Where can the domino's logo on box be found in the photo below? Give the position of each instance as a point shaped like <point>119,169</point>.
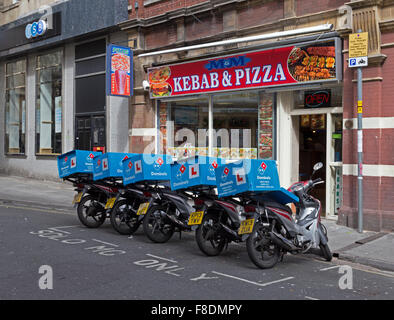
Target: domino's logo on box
<point>226,171</point>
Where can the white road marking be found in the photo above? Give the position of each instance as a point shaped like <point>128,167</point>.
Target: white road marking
<point>157,257</point>
<point>203,277</point>
<point>253,282</point>
<point>103,242</point>
<point>329,268</point>
<point>310,298</point>
<point>57,228</point>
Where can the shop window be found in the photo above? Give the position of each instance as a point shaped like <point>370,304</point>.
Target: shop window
<point>242,126</point>
<point>15,107</point>
<point>188,132</point>
<point>49,103</point>
<point>235,121</point>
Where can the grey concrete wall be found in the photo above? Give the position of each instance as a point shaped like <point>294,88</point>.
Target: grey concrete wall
<point>68,98</point>
<point>2,115</point>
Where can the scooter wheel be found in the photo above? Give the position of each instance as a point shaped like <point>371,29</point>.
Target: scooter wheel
<point>208,236</point>
<point>156,226</point>
<point>90,212</point>
<point>124,218</point>
<point>261,250</point>
<point>326,252</point>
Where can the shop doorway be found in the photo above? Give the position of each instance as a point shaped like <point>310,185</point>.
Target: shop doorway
<point>90,133</point>
<point>313,149</point>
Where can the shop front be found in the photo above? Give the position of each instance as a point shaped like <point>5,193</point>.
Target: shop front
<point>53,87</point>
<point>267,103</point>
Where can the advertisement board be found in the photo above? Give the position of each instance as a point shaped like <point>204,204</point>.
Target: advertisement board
<point>290,65</point>
<point>119,71</point>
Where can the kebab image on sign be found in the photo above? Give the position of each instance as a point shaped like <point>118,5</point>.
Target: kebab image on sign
<point>312,63</point>
<point>120,66</point>
<point>157,81</point>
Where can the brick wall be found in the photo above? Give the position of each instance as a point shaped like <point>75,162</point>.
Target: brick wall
<point>159,7</point>
<point>157,36</point>
<point>304,7</point>
<point>259,12</point>
<point>203,26</point>
<point>378,97</point>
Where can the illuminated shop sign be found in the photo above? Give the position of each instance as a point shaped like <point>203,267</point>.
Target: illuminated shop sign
<point>291,65</point>
<point>317,99</point>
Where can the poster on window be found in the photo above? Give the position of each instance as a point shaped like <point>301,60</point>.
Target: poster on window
<point>58,114</point>
<point>291,65</point>
<point>119,71</point>
<point>266,126</point>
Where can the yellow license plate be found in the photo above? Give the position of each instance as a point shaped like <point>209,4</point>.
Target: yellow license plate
<point>195,218</point>
<point>77,197</point>
<point>246,226</point>
<point>110,203</point>
<point>142,209</point>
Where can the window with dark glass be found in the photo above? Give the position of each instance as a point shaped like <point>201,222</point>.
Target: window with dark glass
<point>49,103</point>
<point>90,94</point>
<point>15,107</point>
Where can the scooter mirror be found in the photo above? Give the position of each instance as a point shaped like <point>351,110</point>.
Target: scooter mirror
<point>317,166</point>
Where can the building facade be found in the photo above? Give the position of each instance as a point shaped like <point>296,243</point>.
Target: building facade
<point>286,95</point>
<point>312,120</point>
<point>52,84</point>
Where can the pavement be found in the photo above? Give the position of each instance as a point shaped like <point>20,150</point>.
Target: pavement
<point>374,249</point>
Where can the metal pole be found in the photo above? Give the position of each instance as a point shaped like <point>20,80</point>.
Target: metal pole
<point>360,145</point>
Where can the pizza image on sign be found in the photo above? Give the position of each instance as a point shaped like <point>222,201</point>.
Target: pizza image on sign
<point>159,75</point>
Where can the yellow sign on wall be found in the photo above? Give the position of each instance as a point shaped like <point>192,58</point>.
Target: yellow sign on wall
<point>358,45</point>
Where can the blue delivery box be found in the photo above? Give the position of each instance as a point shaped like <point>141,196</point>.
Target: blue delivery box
<point>148,167</point>
<point>109,165</point>
<point>132,169</point>
<point>156,166</point>
<point>194,171</point>
<point>251,175</point>
<point>75,162</point>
